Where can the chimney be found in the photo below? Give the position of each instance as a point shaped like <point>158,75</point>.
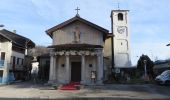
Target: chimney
<point>15,31</point>
<point>1,27</point>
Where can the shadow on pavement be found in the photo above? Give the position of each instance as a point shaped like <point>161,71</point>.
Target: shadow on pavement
<point>144,88</point>
<point>106,98</point>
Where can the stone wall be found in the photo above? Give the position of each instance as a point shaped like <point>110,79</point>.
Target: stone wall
<point>88,35</point>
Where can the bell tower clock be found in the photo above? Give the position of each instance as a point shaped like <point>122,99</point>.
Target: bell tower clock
<point>120,45</point>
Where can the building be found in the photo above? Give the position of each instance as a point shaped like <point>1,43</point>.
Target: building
<point>12,52</point>
<point>76,52</point>
<point>117,46</point>
<point>81,48</point>
<point>160,66</point>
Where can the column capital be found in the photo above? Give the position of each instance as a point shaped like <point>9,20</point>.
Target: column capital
<point>67,53</point>
<point>83,55</point>
<point>99,54</point>
<point>52,54</point>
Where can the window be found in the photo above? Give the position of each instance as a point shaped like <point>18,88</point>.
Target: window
<point>121,43</point>
<point>17,61</point>
<point>120,16</point>
<point>1,73</point>
<point>22,61</point>
<point>2,55</point>
<point>14,60</point>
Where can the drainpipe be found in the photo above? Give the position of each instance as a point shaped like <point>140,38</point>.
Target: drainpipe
<point>112,45</point>
<point>26,47</point>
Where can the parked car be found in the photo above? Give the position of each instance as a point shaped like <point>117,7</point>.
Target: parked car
<point>164,78</point>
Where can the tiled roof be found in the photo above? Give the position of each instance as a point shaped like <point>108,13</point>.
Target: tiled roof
<point>17,39</point>
<point>76,18</point>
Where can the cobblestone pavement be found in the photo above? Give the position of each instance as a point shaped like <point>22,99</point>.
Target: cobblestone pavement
<point>29,91</point>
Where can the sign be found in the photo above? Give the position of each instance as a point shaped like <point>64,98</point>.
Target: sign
<point>117,70</point>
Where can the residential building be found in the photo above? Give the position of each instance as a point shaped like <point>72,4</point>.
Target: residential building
<point>12,52</point>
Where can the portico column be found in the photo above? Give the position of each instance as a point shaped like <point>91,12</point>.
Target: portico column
<point>51,74</point>
<point>67,69</point>
<point>83,69</point>
<point>100,68</point>
<point>54,71</point>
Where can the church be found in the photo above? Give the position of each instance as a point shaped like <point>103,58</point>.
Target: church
<point>79,47</point>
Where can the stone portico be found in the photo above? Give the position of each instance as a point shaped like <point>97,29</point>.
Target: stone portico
<point>61,66</point>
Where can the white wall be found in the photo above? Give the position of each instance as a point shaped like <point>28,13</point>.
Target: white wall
<point>61,76</point>
<point>7,48</point>
<point>17,55</point>
<point>90,60</point>
<point>121,41</point>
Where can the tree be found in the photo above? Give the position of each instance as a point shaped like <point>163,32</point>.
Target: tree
<point>38,50</point>
<point>149,66</point>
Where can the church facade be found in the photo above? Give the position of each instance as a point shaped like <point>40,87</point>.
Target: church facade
<point>77,52</point>
<point>87,53</point>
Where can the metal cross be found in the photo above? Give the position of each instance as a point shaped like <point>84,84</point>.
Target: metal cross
<point>118,5</point>
<point>77,10</point>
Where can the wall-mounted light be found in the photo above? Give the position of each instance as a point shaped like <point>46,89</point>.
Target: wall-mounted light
<point>62,65</point>
<point>90,65</point>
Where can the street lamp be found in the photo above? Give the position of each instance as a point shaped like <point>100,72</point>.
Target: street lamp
<point>145,69</point>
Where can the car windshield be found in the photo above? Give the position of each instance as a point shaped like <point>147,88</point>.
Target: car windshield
<point>167,72</point>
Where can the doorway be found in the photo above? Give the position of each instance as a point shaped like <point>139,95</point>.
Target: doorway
<point>75,71</point>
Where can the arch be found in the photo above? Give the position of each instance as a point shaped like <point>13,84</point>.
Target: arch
<point>120,16</point>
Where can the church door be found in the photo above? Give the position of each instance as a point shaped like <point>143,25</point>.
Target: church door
<point>75,71</point>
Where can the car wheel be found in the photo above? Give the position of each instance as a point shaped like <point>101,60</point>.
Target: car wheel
<point>167,82</point>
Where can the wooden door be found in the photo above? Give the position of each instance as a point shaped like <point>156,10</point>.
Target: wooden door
<point>75,71</point>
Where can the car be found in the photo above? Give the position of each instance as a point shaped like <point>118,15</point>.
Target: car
<point>164,78</point>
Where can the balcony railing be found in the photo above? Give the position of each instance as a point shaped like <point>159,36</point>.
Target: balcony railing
<point>2,63</point>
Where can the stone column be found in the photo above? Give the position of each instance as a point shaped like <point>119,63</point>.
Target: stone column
<point>100,68</point>
<point>54,71</point>
<point>52,74</point>
<point>67,74</point>
<point>51,69</point>
<point>83,69</point>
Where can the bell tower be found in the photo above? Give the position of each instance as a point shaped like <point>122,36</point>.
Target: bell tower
<point>120,41</point>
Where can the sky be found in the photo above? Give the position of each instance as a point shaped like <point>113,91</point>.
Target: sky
<point>149,21</point>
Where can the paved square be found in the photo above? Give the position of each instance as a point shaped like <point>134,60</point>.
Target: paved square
<point>29,91</point>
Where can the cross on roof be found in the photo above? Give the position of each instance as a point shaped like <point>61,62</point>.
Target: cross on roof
<point>118,5</point>
<point>77,11</point>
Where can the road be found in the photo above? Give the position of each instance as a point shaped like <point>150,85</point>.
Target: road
<point>29,91</point>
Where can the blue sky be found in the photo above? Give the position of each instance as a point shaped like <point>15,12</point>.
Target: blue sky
<point>149,21</point>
